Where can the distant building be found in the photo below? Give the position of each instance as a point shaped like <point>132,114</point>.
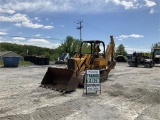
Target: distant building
<point>9,54</point>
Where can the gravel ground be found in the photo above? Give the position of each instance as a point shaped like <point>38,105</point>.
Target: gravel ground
<point>128,94</point>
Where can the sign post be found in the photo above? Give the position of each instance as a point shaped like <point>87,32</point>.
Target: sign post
<point>92,81</point>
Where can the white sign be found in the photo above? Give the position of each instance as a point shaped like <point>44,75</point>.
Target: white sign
<point>92,81</point>
<point>93,87</point>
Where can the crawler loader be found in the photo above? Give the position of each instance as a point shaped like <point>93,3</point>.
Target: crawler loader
<point>68,79</point>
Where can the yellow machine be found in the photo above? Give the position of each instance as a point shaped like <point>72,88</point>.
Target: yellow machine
<point>67,80</point>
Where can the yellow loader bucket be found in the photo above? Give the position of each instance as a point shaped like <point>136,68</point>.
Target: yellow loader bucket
<point>60,79</point>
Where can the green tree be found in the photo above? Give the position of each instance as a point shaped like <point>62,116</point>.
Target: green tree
<point>70,46</point>
<point>121,50</point>
<point>86,48</point>
<point>156,45</point>
<point>147,54</point>
<point>64,47</point>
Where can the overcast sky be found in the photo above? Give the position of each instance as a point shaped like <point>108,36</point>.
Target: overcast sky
<point>46,23</point>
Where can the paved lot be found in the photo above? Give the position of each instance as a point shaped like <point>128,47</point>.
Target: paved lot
<point>129,94</point>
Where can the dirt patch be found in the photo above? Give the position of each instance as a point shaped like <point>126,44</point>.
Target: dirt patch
<point>143,95</point>
<point>128,94</point>
<point>4,110</point>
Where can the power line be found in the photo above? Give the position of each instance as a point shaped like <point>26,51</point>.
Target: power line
<point>97,28</point>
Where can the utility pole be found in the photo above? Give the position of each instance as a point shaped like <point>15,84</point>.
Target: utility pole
<point>80,27</point>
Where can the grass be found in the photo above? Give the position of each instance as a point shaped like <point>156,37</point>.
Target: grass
<point>1,63</point>
<point>21,62</point>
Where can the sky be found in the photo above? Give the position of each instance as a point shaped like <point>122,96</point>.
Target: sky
<point>47,23</point>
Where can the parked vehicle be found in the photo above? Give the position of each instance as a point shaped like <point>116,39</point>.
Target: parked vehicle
<point>68,79</point>
<point>62,59</point>
<point>156,55</point>
<point>140,59</point>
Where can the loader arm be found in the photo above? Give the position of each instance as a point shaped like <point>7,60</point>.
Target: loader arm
<point>80,63</point>
<point>110,53</point>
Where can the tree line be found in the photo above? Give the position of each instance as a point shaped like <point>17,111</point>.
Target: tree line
<point>70,46</point>
<point>22,49</point>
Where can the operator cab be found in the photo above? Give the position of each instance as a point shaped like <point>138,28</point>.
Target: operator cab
<point>94,47</point>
